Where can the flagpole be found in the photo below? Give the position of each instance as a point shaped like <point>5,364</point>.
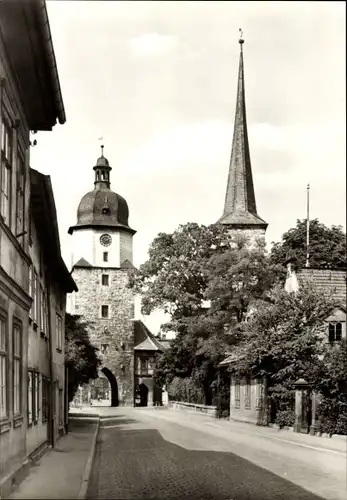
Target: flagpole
<point>308,227</point>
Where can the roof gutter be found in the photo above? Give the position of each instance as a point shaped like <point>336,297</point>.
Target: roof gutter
<point>43,18</point>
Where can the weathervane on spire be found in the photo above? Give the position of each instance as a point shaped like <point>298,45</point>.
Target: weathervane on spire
<point>102,146</point>
<point>241,40</point>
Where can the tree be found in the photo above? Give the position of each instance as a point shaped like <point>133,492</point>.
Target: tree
<point>174,277</point>
<point>327,246</point>
<point>80,355</point>
<point>204,281</point>
<point>285,339</point>
<point>332,388</point>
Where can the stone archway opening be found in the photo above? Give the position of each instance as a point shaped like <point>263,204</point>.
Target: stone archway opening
<point>114,399</point>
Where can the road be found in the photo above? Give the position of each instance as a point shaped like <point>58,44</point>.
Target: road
<point>159,454</point>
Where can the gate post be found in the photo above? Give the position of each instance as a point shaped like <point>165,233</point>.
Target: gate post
<point>301,386</point>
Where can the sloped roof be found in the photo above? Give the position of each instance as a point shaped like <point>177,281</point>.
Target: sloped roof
<point>144,339</point>
<point>82,263</point>
<point>232,357</point>
<point>239,218</point>
<point>43,211</point>
<point>127,265</point>
<point>33,61</point>
<point>327,280</point>
<point>165,342</point>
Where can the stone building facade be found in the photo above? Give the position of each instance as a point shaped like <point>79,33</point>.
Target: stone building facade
<point>112,330</point>
<point>102,255</point>
<point>25,105</point>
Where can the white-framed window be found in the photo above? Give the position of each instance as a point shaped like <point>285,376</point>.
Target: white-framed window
<point>151,364</point>
<point>3,369</point>
<point>61,407</point>
<point>259,394</point>
<point>105,256</point>
<point>6,168</point>
<point>138,365</point>
<point>43,311</point>
<point>59,331</point>
<point>104,311</point>
<point>237,393</point>
<point>248,392</point>
<point>144,366</point>
<point>37,298</point>
<point>20,190</point>
<point>36,397</point>
<point>30,397</point>
<point>335,332</point>
<point>45,397</point>
<point>17,368</point>
<point>32,292</point>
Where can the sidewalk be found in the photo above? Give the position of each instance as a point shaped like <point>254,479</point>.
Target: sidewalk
<point>60,472</point>
<point>337,444</point>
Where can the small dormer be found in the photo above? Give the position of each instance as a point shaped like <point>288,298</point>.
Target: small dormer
<point>336,325</point>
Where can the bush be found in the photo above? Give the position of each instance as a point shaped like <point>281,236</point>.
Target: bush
<point>285,418</point>
<point>185,390</point>
<point>332,416</point>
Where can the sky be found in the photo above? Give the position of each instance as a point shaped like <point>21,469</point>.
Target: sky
<point>157,80</point>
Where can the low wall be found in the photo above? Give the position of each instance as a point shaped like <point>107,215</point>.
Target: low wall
<point>210,411</point>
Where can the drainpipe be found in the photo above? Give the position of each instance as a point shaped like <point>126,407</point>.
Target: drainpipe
<point>51,368</point>
<point>66,403</point>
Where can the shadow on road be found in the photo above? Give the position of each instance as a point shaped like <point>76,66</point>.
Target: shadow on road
<point>141,464</point>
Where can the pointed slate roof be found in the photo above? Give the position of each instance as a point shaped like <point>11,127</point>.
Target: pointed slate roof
<point>82,263</point>
<point>127,265</point>
<point>144,339</point>
<point>240,206</point>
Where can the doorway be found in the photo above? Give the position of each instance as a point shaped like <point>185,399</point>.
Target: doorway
<point>143,389</point>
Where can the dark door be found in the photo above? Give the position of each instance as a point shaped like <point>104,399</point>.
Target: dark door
<point>143,395</point>
<point>306,411</point>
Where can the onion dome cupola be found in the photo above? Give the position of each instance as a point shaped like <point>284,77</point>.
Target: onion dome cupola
<point>102,207</point>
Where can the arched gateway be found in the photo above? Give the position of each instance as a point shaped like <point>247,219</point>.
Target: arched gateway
<point>113,386</point>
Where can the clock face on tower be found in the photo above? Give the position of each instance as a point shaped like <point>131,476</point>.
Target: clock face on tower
<point>105,240</point>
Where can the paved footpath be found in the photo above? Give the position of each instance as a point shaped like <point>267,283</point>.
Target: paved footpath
<point>59,472</point>
<point>161,454</point>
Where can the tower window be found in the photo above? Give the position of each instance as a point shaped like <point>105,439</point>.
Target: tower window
<point>104,311</point>
<point>105,256</point>
<point>105,279</point>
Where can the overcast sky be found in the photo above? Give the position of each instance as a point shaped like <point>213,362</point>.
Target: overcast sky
<point>158,81</point>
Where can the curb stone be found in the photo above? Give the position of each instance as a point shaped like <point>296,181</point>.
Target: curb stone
<point>82,494</point>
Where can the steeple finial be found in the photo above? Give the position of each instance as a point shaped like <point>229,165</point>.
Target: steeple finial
<point>241,40</point>
<point>240,206</point>
<point>102,146</point>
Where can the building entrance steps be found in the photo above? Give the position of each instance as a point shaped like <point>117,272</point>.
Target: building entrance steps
<point>61,471</point>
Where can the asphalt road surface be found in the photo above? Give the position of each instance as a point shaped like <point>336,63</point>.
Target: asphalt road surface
<point>148,454</point>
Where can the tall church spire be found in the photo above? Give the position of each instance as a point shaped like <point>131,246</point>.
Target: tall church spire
<point>240,210</point>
